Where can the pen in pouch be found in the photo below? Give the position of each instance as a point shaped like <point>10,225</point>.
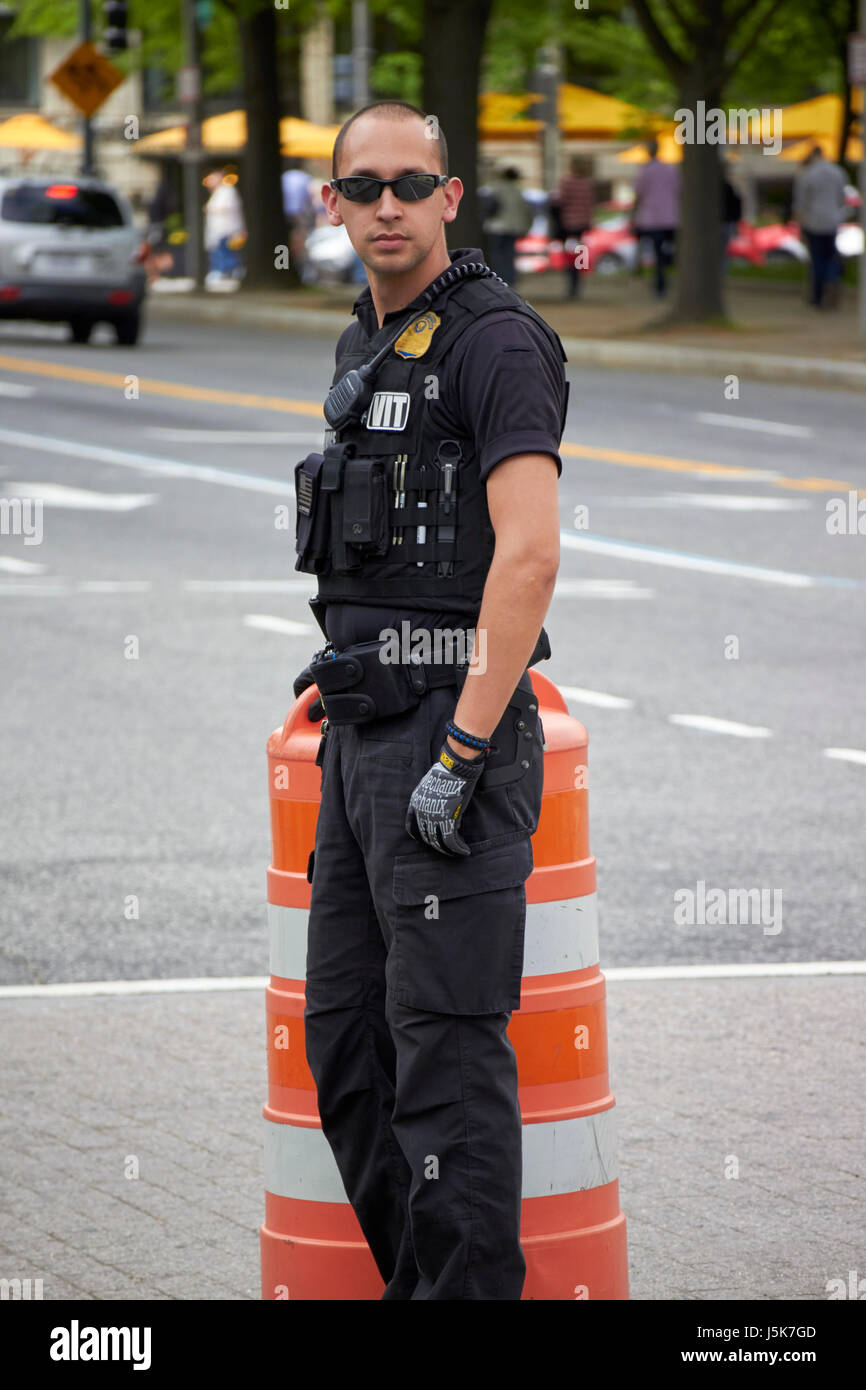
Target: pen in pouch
<point>421,531</point>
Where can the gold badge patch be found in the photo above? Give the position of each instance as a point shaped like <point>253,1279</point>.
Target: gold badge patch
<point>416,339</point>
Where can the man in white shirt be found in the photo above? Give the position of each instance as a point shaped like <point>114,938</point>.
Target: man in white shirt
<point>223,221</point>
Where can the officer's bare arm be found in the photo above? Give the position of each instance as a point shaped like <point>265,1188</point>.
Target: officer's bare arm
<point>524,510</point>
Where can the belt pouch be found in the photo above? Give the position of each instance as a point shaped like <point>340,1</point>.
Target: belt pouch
<point>356,686</point>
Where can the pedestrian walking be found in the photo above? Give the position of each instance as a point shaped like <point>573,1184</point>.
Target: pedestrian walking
<point>819,206</point>
<point>430,519</point>
<point>657,211</point>
<point>511,221</point>
<point>572,205</point>
<point>223,224</point>
<point>163,204</point>
<point>299,209</point>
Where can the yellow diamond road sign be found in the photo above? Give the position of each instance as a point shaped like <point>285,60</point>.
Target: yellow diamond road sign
<point>86,77</point>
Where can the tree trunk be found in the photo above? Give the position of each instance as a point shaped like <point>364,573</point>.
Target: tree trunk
<point>699,274</point>
<point>847,117</point>
<point>262,190</point>
<point>452,44</point>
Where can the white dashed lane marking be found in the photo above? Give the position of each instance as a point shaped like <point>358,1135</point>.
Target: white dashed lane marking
<point>267,623</point>
<point>848,755</point>
<point>9,565</point>
<point>595,697</point>
<point>744,422</point>
<point>712,725</point>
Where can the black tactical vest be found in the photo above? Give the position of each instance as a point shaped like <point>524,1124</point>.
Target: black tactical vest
<point>393,513</point>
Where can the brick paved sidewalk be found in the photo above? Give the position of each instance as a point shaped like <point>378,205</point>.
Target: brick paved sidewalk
<point>768,1070</point>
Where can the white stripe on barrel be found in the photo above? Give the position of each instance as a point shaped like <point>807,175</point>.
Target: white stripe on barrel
<point>560,937</point>
<point>558,1157</point>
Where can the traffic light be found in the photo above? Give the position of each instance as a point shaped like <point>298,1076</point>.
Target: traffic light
<point>114,12</point>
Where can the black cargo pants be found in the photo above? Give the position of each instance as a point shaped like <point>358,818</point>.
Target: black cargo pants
<point>414,963</point>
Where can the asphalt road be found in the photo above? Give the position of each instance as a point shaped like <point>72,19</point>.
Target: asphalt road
<point>134,773</point>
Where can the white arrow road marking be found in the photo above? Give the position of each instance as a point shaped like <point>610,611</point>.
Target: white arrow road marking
<point>270,624</point>
<point>81,499</point>
<point>720,726</point>
<point>849,755</point>
<point>148,463</point>
<point>12,566</point>
<point>743,422</point>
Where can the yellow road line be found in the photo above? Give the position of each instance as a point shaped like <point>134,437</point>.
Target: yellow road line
<point>662,463</point>
<point>155,387</point>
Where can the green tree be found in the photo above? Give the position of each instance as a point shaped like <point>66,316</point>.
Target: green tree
<point>244,40</point>
<point>701,44</point>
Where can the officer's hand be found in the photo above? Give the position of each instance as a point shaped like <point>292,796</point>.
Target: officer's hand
<point>303,681</point>
<point>439,801</point>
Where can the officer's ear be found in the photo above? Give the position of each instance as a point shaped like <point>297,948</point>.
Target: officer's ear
<point>453,191</point>
<point>329,198</point>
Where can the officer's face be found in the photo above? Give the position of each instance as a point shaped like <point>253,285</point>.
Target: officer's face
<point>390,235</point>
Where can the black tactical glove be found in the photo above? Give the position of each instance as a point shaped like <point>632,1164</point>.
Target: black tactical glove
<point>439,801</point>
<point>302,682</point>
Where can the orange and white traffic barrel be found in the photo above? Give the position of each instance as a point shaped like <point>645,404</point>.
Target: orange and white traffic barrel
<point>312,1246</point>
<point>572,1231</point>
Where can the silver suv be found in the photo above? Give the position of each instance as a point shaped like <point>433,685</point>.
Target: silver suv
<point>69,251</point>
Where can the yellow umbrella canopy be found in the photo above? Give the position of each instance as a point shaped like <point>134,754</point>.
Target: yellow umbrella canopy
<point>228,131</point>
<point>33,132</point>
<point>820,116</point>
<point>581,111</point>
<point>829,144</point>
<point>593,114</point>
<point>501,113</point>
<point>670,150</point>
<point>306,140</point>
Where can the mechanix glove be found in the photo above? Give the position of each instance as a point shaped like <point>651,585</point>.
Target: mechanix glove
<point>439,801</point>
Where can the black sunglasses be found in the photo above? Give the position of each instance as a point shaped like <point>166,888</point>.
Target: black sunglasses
<point>408,187</point>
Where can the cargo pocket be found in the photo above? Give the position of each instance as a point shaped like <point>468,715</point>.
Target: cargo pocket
<point>459,928</point>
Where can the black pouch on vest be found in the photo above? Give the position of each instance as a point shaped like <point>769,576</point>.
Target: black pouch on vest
<point>365,507</point>
<point>313,530</point>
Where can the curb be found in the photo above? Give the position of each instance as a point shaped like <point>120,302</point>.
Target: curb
<point>817,372</point>
<point>692,361</point>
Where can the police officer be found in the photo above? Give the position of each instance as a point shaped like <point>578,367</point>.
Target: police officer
<point>431,520</point>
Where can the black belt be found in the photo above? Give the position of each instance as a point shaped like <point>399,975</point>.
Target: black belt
<point>356,686</point>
